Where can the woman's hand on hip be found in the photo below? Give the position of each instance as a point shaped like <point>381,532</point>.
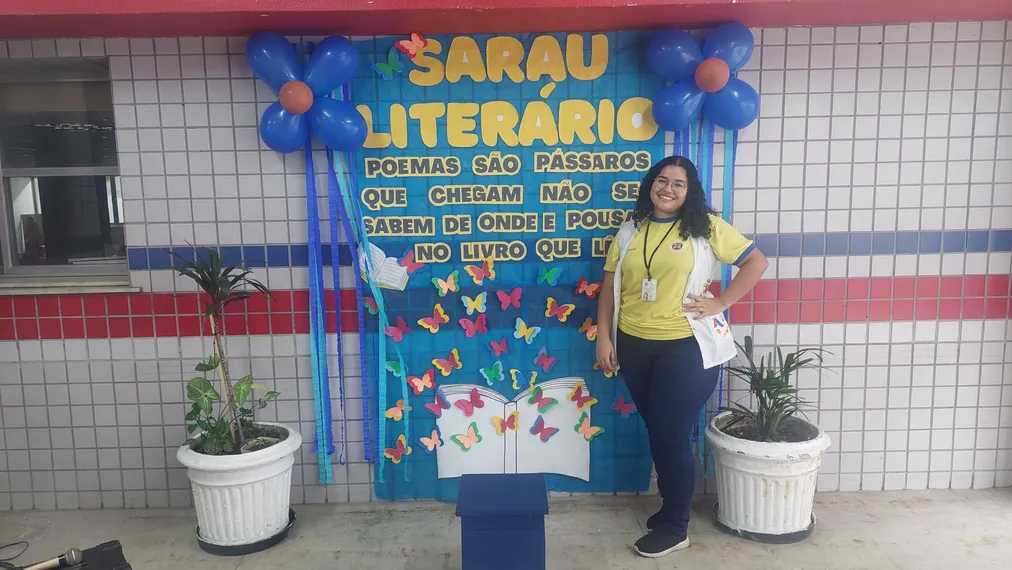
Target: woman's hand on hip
<point>606,355</point>
<point>703,306</point>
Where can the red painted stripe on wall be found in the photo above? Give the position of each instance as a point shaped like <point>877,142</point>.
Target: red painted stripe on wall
<point>145,315</point>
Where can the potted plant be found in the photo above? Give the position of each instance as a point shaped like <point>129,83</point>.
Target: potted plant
<point>240,469</point>
<point>766,458</point>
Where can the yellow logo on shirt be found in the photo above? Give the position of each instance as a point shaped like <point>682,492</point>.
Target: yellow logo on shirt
<point>677,246</point>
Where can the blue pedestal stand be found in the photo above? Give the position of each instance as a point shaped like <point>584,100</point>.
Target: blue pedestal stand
<point>502,521</point>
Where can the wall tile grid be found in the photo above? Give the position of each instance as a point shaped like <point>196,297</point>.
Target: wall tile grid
<point>878,179</point>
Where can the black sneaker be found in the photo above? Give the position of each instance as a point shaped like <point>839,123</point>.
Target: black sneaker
<point>657,543</point>
<point>654,520</point>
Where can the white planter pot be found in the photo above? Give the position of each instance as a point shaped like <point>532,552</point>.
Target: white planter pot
<point>242,499</point>
<point>765,490</point>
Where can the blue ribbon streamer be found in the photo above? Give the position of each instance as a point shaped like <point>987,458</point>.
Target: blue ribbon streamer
<point>333,203</point>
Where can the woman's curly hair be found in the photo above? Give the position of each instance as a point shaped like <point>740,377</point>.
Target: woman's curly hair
<point>695,213</point>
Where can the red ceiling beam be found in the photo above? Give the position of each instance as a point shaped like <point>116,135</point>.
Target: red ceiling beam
<point>158,18</point>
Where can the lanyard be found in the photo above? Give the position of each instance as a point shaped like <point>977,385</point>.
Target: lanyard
<point>646,240</point>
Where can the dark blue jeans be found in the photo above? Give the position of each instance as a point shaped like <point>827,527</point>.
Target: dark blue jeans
<point>669,385</point>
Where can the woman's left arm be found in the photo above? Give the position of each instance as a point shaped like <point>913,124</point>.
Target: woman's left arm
<point>750,270</point>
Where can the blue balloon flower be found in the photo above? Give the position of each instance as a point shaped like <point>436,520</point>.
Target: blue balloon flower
<point>703,76</point>
<point>304,104</point>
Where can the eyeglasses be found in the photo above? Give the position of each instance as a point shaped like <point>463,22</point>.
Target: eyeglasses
<point>662,183</point>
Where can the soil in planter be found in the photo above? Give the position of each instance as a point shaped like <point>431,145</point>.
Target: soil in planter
<point>792,430</point>
<point>251,432</point>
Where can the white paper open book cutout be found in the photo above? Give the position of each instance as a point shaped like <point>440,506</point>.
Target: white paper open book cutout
<point>566,452</point>
<point>387,272</point>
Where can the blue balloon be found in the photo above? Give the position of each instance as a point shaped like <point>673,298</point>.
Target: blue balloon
<point>733,107</point>
<point>333,63</point>
<point>731,42</point>
<point>273,59</point>
<point>677,105</point>
<point>283,131</point>
<point>674,54</point>
<point>338,124</point>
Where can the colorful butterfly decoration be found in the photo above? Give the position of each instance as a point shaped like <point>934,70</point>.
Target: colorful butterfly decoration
<point>412,46</point>
<point>472,403</point>
<point>582,401</point>
<point>394,367</point>
<point>542,431</point>
<point>476,304</point>
<point>390,67</point>
<point>398,330</point>
<point>479,274</point>
<point>525,332</point>
<point>432,323</point>
<point>432,442</point>
<point>583,287</point>
<point>449,285</point>
<point>554,309</point>
<point>510,422</point>
<point>467,440</point>
<point>607,373</point>
<point>623,408</point>
<point>471,328</point>
<point>448,364</point>
<point>439,404</point>
<point>549,275</point>
<point>396,413</point>
<point>401,448</point>
<point>408,262</point>
<point>511,299</point>
<point>584,428</point>
<point>370,305</point>
<point>419,384</point>
<point>498,348</point>
<point>542,402</point>
<point>517,377</point>
<point>544,361</point>
<point>589,328</point>
<point>493,374</point>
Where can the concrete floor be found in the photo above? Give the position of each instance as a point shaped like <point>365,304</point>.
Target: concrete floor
<point>875,531</point>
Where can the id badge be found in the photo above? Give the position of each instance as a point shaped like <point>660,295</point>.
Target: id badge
<point>648,291</point>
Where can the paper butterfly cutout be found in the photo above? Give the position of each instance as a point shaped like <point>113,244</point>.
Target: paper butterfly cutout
<point>510,422</point>
<point>432,323</point>
<point>554,309</point>
<point>396,413</point>
<point>498,348</point>
<point>394,367</point>
<point>449,285</point>
<point>468,406</point>
<point>471,328</point>
<point>582,402</point>
<point>436,407</point>
<point>448,364</point>
<point>408,262</point>
<point>370,305</point>
<point>511,299</point>
<point>467,440</point>
<point>395,454</point>
<point>541,430</point>
<point>390,67</point>
<point>584,428</point>
<point>623,408</point>
<point>544,361</point>
<point>412,45</point>
<point>542,402</point>
<point>515,375</point>
<point>475,305</point>
<point>479,274</point>
<point>549,275</point>
<point>419,384</point>
<point>583,287</point>
<point>589,328</point>
<point>525,332</point>
<point>493,374</point>
<point>398,330</point>
<point>607,374</point>
<point>432,442</point>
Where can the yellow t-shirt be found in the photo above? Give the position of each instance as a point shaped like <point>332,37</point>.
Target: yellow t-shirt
<point>664,319</point>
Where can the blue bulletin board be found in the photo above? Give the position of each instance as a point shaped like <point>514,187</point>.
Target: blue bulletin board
<point>496,171</point>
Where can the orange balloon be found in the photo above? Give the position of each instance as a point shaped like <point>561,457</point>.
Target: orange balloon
<point>712,74</point>
<point>296,97</point>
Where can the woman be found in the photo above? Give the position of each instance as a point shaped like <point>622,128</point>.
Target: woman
<point>669,336</point>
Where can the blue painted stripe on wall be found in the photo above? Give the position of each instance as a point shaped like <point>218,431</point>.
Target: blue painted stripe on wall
<point>773,245</point>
